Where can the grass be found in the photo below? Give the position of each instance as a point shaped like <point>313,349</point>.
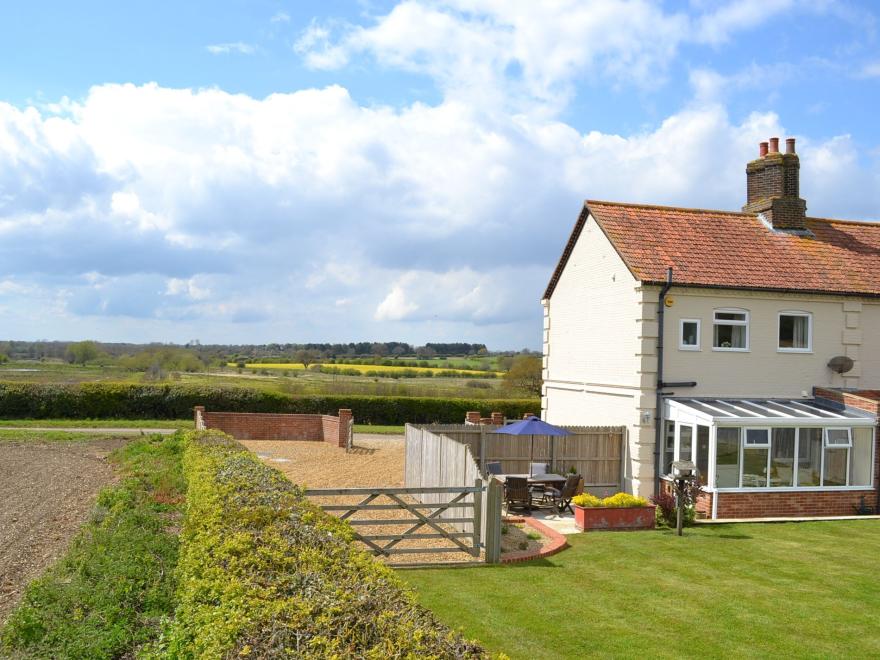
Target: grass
<point>377,428</point>
<point>108,595</point>
<point>752,590</point>
<point>28,435</point>
<point>100,423</point>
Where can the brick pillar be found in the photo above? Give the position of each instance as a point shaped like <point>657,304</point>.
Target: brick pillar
<point>472,417</point>
<point>345,417</point>
<point>497,418</point>
<point>197,417</point>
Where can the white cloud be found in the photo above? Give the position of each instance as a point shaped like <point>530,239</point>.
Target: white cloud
<point>236,47</point>
<point>280,17</point>
<point>307,215</point>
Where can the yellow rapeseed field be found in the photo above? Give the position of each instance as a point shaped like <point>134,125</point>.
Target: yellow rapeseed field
<point>363,368</point>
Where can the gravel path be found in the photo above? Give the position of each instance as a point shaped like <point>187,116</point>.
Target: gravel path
<point>375,460</point>
<point>47,491</point>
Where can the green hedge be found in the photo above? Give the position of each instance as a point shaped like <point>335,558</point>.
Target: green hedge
<point>264,573</point>
<point>176,401</point>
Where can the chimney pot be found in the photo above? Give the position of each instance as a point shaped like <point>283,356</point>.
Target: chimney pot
<point>789,146</point>
<point>774,145</point>
<point>762,150</point>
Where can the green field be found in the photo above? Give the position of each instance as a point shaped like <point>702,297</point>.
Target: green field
<point>793,590</point>
<point>289,379</point>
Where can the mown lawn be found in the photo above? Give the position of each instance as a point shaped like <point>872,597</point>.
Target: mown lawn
<point>755,590</point>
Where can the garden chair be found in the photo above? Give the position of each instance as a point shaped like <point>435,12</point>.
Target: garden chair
<point>562,496</point>
<point>536,469</point>
<point>493,467</point>
<point>517,493</point>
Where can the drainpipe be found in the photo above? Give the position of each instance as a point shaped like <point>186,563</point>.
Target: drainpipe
<point>658,412</point>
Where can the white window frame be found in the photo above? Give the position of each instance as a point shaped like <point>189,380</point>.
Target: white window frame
<point>836,445</point>
<point>687,347</point>
<point>716,322</point>
<point>809,317</point>
<point>797,487</point>
<point>745,437</point>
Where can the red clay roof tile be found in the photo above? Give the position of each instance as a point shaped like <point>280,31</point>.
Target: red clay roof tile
<point>736,250</point>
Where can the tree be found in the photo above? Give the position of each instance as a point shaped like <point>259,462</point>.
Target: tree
<point>525,374</point>
<point>82,351</point>
<point>305,357</point>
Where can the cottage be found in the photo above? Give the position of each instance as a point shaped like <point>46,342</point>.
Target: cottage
<point>747,342</point>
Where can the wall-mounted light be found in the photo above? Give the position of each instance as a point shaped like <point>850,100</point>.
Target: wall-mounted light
<point>646,418</point>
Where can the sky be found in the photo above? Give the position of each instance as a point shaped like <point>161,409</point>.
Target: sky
<point>250,171</point>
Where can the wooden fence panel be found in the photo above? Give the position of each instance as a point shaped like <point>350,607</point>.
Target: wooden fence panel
<point>594,452</point>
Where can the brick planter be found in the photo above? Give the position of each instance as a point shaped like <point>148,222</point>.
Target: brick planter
<point>606,518</point>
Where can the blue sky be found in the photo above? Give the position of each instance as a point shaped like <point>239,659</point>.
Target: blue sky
<point>306,171</point>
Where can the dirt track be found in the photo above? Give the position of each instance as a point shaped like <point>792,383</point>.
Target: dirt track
<point>47,491</point>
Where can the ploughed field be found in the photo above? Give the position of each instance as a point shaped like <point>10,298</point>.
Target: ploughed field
<point>47,490</point>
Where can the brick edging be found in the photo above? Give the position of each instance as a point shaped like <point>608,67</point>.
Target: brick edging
<point>558,542</point>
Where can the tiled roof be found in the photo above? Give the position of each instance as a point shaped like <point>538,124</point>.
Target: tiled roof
<point>735,250</point>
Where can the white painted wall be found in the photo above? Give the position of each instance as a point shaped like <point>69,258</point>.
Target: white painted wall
<point>764,371</point>
<point>592,349</point>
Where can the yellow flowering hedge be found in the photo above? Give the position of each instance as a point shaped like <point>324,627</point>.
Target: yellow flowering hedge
<point>264,573</point>
<point>616,501</point>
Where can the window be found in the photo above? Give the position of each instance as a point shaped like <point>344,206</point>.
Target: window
<point>788,457</point>
<point>860,462</point>
<point>703,453</point>
<point>782,457</point>
<point>838,438</point>
<point>795,332</point>
<point>689,335</point>
<point>685,442</point>
<point>809,466</point>
<point>727,458</point>
<point>756,454</point>
<point>669,448</point>
<point>730,330</point>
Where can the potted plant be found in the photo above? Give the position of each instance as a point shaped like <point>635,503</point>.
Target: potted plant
<point>621,511</point>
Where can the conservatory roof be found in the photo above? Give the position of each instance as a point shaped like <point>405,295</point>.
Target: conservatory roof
<point>776,412</point>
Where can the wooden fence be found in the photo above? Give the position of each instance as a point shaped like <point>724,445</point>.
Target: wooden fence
<point>595,452</point>
<point>438,461</point>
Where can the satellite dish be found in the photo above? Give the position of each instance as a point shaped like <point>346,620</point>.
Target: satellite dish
<point>841,364</point>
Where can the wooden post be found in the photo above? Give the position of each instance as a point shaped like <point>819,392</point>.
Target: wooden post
<point>478,515</point>
<point>493,521</point>
<point>482,449</point>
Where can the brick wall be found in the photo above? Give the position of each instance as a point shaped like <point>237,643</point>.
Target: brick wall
<point>270,426</point>
<point>776,505</point>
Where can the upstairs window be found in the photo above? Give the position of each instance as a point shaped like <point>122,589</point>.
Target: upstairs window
<point>795,332</point>
<point>730,330</point>
<point>689,335</point>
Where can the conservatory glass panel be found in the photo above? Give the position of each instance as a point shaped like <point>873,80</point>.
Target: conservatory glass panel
<point>860,457</point>
<point>809,457</point>
<point>755,467</point>
<point>782,457</point>
<point>685,441</point>
<point>836,459</point>
<point>727,458</point>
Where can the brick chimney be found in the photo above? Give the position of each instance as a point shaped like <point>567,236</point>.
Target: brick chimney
<point>773,186</point>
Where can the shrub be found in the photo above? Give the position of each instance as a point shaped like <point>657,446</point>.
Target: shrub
<point>176,401</point>
<point>666,513</point>
<point>264,573</point>
<point>617,501</point>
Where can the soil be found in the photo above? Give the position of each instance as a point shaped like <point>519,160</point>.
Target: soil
<point>47,492</point>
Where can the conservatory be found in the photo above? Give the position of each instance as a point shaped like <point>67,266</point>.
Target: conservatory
<point>773,457</point>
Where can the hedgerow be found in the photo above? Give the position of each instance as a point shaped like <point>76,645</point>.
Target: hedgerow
<point>176,401</point>
<point>264,573</point>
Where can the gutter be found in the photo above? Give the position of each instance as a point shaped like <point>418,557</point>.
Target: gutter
<point>658,410</point>
<point>661,384</point>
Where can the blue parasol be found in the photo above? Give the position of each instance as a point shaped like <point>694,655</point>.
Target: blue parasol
<point>531,427</point>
